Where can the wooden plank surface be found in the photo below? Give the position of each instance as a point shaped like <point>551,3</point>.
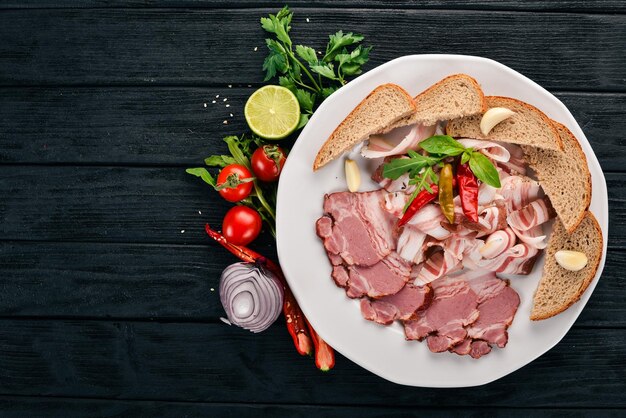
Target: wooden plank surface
<point>217,363</point>
<point>173,282</point>
<point>200,47</point>
<point>144,205</point>
<point>171,126</point>
<point>47,407</point>
<point>531,5</point>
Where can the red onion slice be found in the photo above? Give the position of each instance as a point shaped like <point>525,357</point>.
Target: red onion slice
<point>251,296</point>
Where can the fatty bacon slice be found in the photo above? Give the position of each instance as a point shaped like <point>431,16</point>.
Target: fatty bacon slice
<point>397,141</point>
<point>531,215</point>
<point>491,150</point>
<point>519,259</point>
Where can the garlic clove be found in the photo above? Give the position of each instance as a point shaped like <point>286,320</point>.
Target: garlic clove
<point>571,260</point>
<point>492,117</point>
<point>353,175</point>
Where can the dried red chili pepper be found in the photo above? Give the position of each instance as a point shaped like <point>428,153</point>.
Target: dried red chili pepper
<point>468,190</point>
<point>296,322</point>
<point>324,354</point>
<point>424,197</point>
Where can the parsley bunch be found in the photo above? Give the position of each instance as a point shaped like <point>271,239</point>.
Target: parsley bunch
<point>310,77</point>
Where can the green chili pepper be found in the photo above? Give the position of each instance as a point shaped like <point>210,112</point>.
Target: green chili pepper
<point>446,197</point>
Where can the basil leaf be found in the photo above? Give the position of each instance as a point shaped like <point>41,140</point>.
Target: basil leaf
<point>466,157</point>
<point>442,145</point>
<point>203,174</point>
<point>484,170</point>
<point>219,160</point>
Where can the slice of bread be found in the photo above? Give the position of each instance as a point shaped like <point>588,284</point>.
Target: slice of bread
<point>564,176</point>
<point>453,97</point>
<point>559,288</point>
<point>383,106</point>
<point>529,126</point>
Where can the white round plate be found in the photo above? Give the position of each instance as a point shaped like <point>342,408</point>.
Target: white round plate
<point>383,350</point>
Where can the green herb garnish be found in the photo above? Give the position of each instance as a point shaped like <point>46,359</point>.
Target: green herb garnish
<point>439,147</point>
<point>310,76</point>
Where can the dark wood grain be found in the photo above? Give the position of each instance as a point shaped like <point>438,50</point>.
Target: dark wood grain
<point>217,363</point>
<point>144,205</point>
<point>171,126</point>
<point>165,282</point>
<point>532,5</point>
<point>48,407</point>
<point>111,46</point>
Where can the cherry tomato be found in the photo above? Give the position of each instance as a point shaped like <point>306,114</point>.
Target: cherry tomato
<point>231,182</point>
<point>267,162</point>
<point>241,225</point>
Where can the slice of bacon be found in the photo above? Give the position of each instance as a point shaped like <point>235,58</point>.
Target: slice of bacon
<point>438,265</point>
<point>518,259</point>
<point>491,150</point>
<point>397,141</point>
<point>531,215</point>
<point>519,191</point>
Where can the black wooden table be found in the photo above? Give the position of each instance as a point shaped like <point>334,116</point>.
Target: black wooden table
<point>108,301</point>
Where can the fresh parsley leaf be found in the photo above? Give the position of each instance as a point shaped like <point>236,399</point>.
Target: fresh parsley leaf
<point>351,63</point>
<point>279,24</point>
<point>307,54</point>
<point>203,174</point>
<point>304,119</point>
<point>288,83</point>
<point>484,170</point>
<point>219,160</point>
<point>443,145</point>
<point>326,70</point>
<point>305,99</point>
<point>276,61</point>
<point>337,42</point>
<point>327,91</point>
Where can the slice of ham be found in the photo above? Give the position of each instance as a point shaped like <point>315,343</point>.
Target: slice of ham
<point>403,305</point>
<point>397,141</point>
<point>387,277</point>
<point>356,227</point>
<point>471,347</point>
<point>496,315</point>
<point>531,215</point>
<point>443,324</point>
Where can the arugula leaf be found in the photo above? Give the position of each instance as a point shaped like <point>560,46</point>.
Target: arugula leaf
<point>442,145</point>
<point>305,99</point>
<point>307,54</point>
<point>397,167</point>
<point>484,170</point>
<point>203,174</point>
<point>219,160</point>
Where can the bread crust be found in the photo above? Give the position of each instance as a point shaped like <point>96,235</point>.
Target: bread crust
<point>587,281</point>
<point>329,142</point>
<point>583,160</point>
<point>408,120</point>
<point>529,107</point>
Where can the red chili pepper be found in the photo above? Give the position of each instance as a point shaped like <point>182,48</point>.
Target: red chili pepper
<point>424,197</point>
<point>324,354</point>
<point>296,322</point>
<point>468,190</point>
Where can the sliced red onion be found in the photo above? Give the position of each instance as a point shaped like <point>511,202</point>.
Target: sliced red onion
<point>251,295</point>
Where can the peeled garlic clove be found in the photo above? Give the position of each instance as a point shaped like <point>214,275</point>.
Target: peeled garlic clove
<point>353,175</point>
<point>494,116</point>
<point>571,260</point>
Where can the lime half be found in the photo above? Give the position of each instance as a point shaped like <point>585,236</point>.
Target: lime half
<point>272,112</point>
